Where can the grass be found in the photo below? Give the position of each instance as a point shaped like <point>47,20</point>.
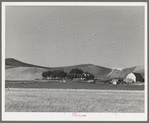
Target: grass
<point>69,100</point>
<point>50,84</point>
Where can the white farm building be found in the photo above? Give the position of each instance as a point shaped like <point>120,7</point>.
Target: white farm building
<point>131,76</point>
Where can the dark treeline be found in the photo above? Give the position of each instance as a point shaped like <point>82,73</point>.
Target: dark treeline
<point>73,74</point>
<point>54,74</point>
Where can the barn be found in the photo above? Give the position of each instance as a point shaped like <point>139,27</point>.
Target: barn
<point>136,77</point>
<point>131,76</point>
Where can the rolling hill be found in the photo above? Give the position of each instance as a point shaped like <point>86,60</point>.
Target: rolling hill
<point>24,73</point>
<point>17,70</point>
<point>12,63</point>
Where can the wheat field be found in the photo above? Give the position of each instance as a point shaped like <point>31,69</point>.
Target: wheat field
<point>71,100</point>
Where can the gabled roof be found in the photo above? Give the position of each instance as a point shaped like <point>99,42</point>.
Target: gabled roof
<point>115,74</point>
<point>125,72</point>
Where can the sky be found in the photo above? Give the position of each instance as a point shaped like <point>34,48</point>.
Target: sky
<point>55,36</point>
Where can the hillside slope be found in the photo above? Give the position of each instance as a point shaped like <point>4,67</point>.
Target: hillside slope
<point>17,70</point>
<point>24,73</point>
<point>12,63</point>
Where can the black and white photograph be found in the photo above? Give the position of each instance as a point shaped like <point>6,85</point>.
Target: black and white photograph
<point>74,61</point>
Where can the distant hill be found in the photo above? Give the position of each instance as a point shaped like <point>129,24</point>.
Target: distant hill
<point>11,63</point>
<point>17,70</point>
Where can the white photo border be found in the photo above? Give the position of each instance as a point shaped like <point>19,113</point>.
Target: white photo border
<point>51,116</point>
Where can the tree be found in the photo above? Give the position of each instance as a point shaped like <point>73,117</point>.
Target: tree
<point>74,75</point>
<point>71,75</point>
<point>68,76</point>
<point>58,73</point>
<point>76,71</point>
<point>49,73</point>
<point>62,74</point>
<point>78,75</point>
<point>44,75</point>
<point>54,74</point>
<point>89,76</point>
<point>65,74</point>
<point>83,76</point>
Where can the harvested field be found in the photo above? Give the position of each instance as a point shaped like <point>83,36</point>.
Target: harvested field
<point>70,100</point>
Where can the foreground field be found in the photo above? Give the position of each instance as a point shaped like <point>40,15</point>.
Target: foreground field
<point>69,100</point>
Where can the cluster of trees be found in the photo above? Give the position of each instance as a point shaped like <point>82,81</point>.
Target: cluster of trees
<point>74,73</point>
<point>54,74</point>
<point>78,73</point>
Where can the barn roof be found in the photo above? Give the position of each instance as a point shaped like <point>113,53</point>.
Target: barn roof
<point>121,73</point>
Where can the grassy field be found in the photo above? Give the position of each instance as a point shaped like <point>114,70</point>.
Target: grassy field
<point>70,100</point>
<point>69,85</point>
